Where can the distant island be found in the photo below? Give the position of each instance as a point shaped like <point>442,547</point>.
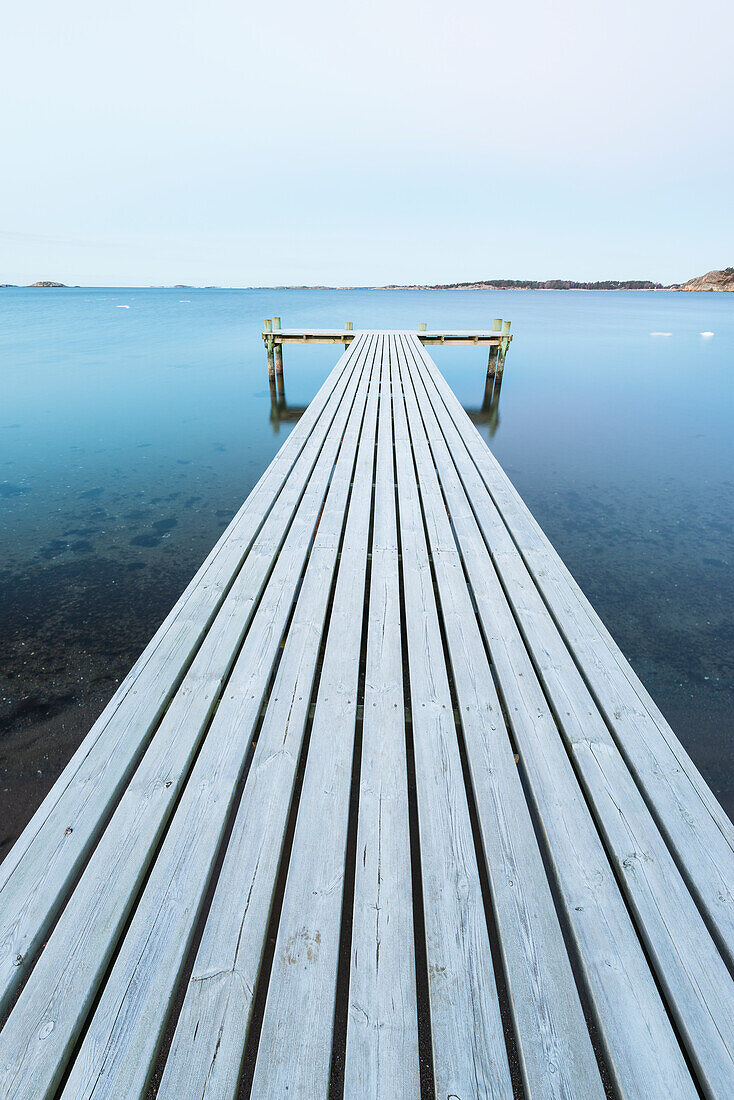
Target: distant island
<point>712,281</point>
<point>534,284</point>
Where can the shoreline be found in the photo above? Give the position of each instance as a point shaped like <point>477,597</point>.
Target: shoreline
<point>408,286</point>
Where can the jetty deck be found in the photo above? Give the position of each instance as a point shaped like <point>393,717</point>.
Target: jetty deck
<point>381,811</point>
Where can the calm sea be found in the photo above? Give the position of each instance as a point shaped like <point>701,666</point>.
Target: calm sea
<point>134,422</point>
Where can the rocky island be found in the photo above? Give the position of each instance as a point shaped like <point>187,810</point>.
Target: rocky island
<point>711,281</point>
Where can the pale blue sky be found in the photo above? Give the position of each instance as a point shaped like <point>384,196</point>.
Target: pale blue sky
<point>341,143</point>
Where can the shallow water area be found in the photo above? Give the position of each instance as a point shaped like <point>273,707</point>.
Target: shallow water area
<point>133,423</point>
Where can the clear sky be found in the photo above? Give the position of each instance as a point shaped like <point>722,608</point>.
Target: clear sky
<point>232,143</point>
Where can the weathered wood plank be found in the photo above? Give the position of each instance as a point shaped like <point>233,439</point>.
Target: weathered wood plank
<point>36,874</point>
<point>696,827</point>
<point>211,1032</point>
<point>552,1038</point>
<point>469,1054</point>
<point>296,1038</point>
<point>699,989</point>
<point>61,989</point>
<point>642,1048</point>
<point>382,1033</point>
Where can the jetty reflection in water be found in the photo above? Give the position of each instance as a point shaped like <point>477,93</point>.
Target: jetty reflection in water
<point>487,414</point>
<point>279,407</point>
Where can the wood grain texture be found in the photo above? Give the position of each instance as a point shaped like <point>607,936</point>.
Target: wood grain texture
<point>210,1036</point>
<point>295,1043</point>
<point>632,1019</point>
<point>553,1041</point>
<point>382,1034</point>
<point>698,987</point>
<point>469,1054</point>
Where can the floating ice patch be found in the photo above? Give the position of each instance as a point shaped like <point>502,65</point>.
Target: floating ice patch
<point>707,335</point>
<point>661,333</point>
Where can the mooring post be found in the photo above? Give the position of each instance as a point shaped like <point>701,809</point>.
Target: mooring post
<point>278,353</point>
<point>504,345</point>
<point>348,327</point>
<point>267,337</point>
<point>494,350</point>
<point>422,326</point>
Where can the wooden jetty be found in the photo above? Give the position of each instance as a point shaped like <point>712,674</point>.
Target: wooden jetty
<point>381,811</point>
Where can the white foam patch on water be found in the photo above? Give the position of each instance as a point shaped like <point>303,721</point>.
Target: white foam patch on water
<point>661,333</point>
<point>707,335</point>
<point>122,307</point>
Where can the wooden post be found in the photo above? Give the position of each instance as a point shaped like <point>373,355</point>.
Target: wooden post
<point>348,327</point>
<point>422,326</point>
<point>278,354</point>
<point>269,348</point>
<point>504,345</point>
<point>494,351</point>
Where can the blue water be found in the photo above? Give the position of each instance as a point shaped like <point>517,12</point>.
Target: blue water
<point>130,436</point>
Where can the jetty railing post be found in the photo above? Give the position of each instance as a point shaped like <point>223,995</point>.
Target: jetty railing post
<point>278,354</point>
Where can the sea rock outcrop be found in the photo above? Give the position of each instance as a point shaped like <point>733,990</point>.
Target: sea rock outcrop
<point>712,280</point>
